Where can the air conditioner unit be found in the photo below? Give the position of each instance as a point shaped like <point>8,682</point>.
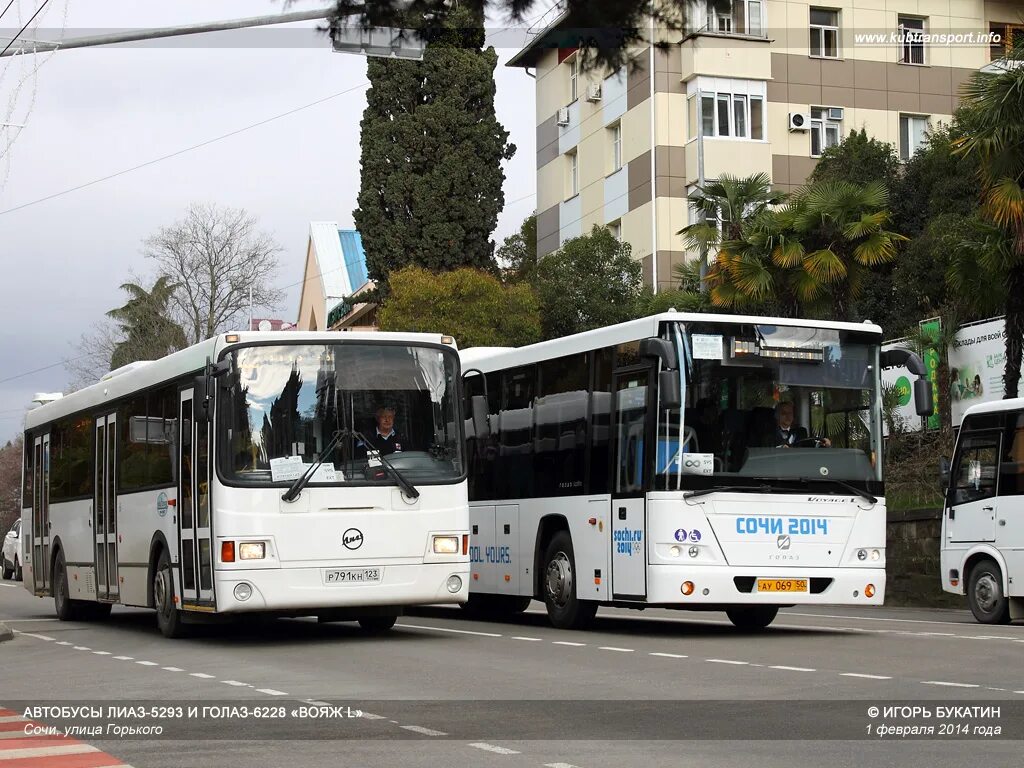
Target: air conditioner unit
<point>563,116</point>
<point>799,121</point>
<point>594,92</point>
<point>835,113</point>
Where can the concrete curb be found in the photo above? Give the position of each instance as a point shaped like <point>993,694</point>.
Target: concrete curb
<point>5,632</point>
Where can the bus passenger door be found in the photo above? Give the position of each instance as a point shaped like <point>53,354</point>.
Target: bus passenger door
<point>632,449</point>
<point>41,515</point>
<point>104,508</point>
<point>972,505</point>
<point>194,529</point>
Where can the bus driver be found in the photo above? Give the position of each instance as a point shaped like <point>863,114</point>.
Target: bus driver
<point>384,438</point>
<point>788,434</point>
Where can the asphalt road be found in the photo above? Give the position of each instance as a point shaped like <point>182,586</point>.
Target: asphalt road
<point>653,688</point>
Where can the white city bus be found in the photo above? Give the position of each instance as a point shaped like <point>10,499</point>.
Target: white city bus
<point>589,485</point>
<point>233,477</point>
<point>982,549</point>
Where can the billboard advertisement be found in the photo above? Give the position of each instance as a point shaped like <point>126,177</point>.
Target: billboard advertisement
<point>976,360</point>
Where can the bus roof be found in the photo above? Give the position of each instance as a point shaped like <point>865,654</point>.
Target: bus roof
<point>633,330</point>
<point>995,406</point>
<point>135,377</point>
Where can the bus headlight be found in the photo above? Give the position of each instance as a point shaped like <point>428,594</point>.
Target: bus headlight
<point>252,550</point>
<point>446,545</point>
<point>875,554</point>
<point>243,592</point>
<point>454,583</point>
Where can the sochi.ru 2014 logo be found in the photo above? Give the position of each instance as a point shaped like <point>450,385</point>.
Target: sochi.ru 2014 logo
<point>352,538</point>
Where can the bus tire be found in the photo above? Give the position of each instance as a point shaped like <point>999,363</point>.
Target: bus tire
<point>376,625</point>
<point>752,618</point>
<point>95,611</point>
<point>565,609</point>
<point>985,594</point>
<point>66,608</point>
<point>7,572</point>
<point>168,617</point>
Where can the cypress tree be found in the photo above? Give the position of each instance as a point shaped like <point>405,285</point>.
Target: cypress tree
<point>432,148</point>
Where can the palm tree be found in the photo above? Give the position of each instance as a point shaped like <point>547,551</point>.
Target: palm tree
<point>995,101</point>
<point>145,324</point>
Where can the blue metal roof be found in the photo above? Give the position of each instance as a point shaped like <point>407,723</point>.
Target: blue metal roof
<point>355,257</point>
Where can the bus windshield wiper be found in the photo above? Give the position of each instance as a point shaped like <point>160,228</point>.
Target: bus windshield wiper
<point>762,488</point>
<point>407,488</point>
<point>843,484</point>
<point>300,482</point>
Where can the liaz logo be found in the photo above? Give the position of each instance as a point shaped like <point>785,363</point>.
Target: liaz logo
<point>627,541</point>
<point>352,538</point>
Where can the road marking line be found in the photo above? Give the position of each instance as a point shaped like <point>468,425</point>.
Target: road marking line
<point>865,676</point>
<point>125,658</point>
<point>559,765</point>
<point>951,685</point>
<point>496,750</point>
<point>446,629</point>
<point>424,731</point>
<point>791,669</point>
<point>316,703</point>
<point>13,719</point>
<point>566,642</point>
<point>201,675</point>
<point>234,683</point>
<point>613,648</point>
<point>1018,691</point>
<point>82,648</point>
<point>102,653</point>
<point>30,634</point>
<point>997,689</point>
<point>173,669</point>
<point>271,692</point>
<point>11,586</point>
<point>666,656</point>
<point>371,716</point>
<point>67,749</point>
<point>63,642</point>
<point>726,661</point>
<point>25,621</point>
<point>148,663</point>
<point>531,639</point>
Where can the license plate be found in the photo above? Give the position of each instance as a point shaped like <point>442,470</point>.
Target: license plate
<point>782,585</point>
<point>352,576</point>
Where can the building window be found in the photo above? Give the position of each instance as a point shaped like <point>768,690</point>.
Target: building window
<point>1004,38</point>
<point>615,143</point>
<point>913,130</point>
<point>573,174</point>
<point>826,128</point>
<point>574,78</point>
<point>824,33</point>
<point>911,40</point>
<point>741,17</point>
<point>615,228</point>
<point>737,115</point>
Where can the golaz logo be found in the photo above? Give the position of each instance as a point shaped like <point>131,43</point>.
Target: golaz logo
<point>352,538</point>
<point>783,542</point>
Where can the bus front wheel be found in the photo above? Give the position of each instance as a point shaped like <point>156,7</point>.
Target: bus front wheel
<point>985,594</point>
<point>565,609</point>
<point>168,617</point>
<point>376,625</point>
<point>752,617</point>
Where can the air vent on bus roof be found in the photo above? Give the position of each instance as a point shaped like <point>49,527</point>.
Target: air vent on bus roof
<point>125,369</point>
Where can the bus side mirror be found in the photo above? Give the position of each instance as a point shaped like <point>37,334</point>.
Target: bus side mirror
<point>661,349</point>
<point>668,389</point>
<point>924,397</point>
<point>481,425</point>
<point>201,400</point>
<point>944,473</point>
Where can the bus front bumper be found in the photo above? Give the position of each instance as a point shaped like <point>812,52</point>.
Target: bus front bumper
<point>296,589</point>
<point>713,585</point>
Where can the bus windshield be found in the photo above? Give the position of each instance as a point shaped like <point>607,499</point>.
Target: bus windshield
<point>767,402</point>
<point>284,403</point>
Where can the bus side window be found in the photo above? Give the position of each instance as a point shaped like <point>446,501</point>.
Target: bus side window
<point>1011,469</point>
<point>977,469</point>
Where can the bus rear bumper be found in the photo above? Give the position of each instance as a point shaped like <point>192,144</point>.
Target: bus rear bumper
<point>299,589</point>
<point>730,585</point>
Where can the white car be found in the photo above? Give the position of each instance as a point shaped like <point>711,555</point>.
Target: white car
<point>10,561</point>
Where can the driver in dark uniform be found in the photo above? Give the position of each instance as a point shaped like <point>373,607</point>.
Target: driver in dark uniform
<point>384,438</point>
<point>788,434</point>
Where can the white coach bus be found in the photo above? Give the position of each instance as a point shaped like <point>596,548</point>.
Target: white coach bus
<point>590,485</point>
<point>982,549</point>
<point>234,476</point>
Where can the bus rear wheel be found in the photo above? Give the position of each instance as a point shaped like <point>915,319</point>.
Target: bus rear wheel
<point>66,608</point>
<point>985,594</point>
<point>565,609</point>
<point>168,617</point>
<point>752,618</point>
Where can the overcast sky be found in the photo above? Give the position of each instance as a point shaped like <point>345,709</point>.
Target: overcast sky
<point>101,110</point>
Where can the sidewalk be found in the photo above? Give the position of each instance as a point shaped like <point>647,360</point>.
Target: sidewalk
<point>20,750</point>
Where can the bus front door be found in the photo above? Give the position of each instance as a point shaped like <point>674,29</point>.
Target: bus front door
<point>104,508</point>
<point>40,531</point>
<point>194,529</point>
<point>629,546</point>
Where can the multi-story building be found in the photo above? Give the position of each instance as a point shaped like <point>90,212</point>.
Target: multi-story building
<point>765,87</point>
<point>334,278</point>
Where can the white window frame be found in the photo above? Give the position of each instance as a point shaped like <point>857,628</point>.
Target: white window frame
<point>821,30</point>
<point>574,77</point>
<point>573,185</point>
<point>615,142</point>
<point>912,47</point>
<point>822,126</point>
<point>906,150</point>
<point>730,100</point>
<point>706,18</point>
